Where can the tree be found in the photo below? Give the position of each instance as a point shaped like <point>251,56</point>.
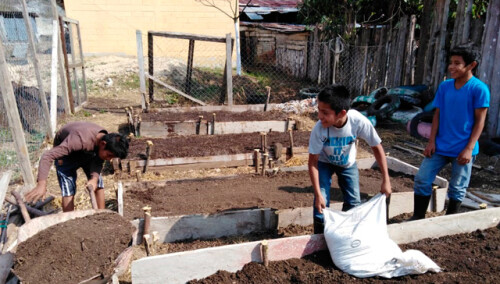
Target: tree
<point>234,16</point>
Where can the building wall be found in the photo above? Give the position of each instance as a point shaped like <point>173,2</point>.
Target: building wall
<point>109,27</point>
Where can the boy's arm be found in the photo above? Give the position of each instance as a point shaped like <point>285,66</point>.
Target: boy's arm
<point>431,145</point>
<point>314,176</point>
<point>379,153</point>
<point>479,117</point>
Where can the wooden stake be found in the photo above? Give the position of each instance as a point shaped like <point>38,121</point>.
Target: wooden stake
<point>93,201</point>
<point>138,175</point>
<point>154,245</point>
<point>256,159</point>
<point>119,197</point>
<point>31,210</point>
<point>264,163</point>
<point>115,162</point>
<point>198,126</point>
<point>149,150</point>
<point>213,123</point>
<point>277,148</point>
<point>268,95</point>
<point>22,206</point>
<point>137,124</point>
<point>290,134</point>
<point>263,141</point>
<point>132,164</point>
<point>265,253</point>
<point>145,231</point>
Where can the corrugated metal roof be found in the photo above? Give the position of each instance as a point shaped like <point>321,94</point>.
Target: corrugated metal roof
<point>284,28</point>
<point>281,6</point>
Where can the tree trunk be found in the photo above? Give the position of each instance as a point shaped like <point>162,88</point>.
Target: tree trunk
<point>425,29</point>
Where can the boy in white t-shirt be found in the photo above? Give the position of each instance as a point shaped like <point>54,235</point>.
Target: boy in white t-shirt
<point>332,149</point>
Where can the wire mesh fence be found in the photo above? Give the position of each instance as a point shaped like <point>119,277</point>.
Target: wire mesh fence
<point>21,72</point>
<point>293,70</point>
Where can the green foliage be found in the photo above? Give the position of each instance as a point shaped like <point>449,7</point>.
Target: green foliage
<point>8,158</point>
<point>86,113</point>
<point>5,135</point>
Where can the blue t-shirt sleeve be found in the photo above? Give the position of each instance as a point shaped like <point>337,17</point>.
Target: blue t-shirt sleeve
<point>481,96</point>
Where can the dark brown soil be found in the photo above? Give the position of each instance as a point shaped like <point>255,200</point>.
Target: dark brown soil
<point>74,250</point>
<point>212,145</point>
<point>219,116</point>
<point>464,258</point>
<point>281,191</point>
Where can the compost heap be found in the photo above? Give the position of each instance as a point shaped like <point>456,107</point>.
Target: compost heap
<point>74,250</point>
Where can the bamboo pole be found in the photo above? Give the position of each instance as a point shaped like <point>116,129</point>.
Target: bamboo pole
<point>149,151</point>
<point>256,159</point>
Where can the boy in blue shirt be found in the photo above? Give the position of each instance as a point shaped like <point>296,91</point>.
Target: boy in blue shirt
<point>332,150</point>
<point>461,105</point>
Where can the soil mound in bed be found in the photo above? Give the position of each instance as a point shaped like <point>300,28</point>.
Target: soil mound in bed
<point>464,258</point>
<point>219,116</point>
<point>281,191</point>
<point>212,145</point>
<point>73,251</point>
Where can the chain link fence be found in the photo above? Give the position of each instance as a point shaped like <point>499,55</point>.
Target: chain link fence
<point>293,70</point>
<point>21,71</point>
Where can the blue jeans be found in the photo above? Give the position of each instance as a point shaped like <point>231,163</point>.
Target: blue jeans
<point>460,176</point>
<point>348,179</point>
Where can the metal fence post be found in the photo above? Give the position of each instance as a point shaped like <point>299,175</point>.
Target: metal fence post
<point>14,120</point>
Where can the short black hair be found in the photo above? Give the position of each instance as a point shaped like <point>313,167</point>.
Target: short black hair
<point>117,144</point>
<point>337,96</point>
<point>468,54</point>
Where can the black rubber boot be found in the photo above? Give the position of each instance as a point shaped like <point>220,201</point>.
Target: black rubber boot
<point>420,204</point>
<point>453,206</point>
<point>319,226</point>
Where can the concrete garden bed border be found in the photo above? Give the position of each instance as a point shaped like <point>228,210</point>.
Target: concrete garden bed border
<point>184,266</point>
<point>240,222</point>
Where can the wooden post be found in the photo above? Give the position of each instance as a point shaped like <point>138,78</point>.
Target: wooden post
<point>132,164</point>
<point>265,160</point>
<point>115,162</point>
<point>68,101</point>
<point>4,185</point>
<point>256,159</point>
<point>229,68</point>
<point>263,142</point>
<point>137,125</point>
<point>213,123</point>
<point>93,200</point>
<point>268,95</point>
<point>22,206</point>
<point>138,175</point>
<point>66,63</point>
<point>410,56</point>
<point>14,120</point>
<point>32,47</point>
<point>53,77</point>
<point>150,66</point>
<point>277,148</point>
<point>142,77</point>
<point>149,150</point>
<point>265,255</point>
<point>145,231</point>
<point>336,58</point>
<point>189,70</point>
<point>73,60</point>
<point>82,59</point>
<point>119,197</point>
<point>290,134</point>
<point>198,126</point>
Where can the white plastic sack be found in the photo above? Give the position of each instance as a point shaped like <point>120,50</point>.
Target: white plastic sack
<point>360,245</point>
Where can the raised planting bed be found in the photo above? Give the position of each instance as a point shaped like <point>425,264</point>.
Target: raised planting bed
<point>161,124</point>
<point>73,247</point>
<point>238,205</point>
<point>214,150</point>
<point>465,258</point>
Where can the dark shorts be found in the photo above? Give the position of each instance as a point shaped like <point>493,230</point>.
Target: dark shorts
<point>66,174</point>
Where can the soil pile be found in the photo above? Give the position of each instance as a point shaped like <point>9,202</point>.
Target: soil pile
<point>73,251</point>
<point>464,258</point>
<point>212,145</point>
<point>281,191</point>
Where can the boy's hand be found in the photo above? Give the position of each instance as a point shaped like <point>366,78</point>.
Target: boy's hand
<point>319,203</point>
<point>385,188</point>
<point>37,193</point>
<point>93,183</point>
<point>430,149</point>
<point>465,156</point>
